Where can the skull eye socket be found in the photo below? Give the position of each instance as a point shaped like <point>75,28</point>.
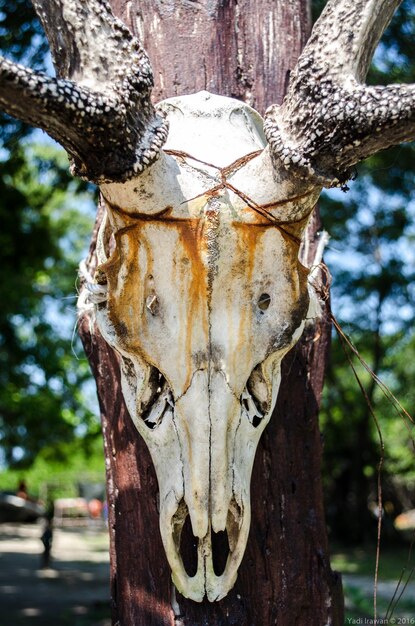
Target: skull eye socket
<point>264,301</point>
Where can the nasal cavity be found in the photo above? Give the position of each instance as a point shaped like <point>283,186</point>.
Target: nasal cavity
<point>157,400</point>
<point>220,551</point>
<point>188,548</point>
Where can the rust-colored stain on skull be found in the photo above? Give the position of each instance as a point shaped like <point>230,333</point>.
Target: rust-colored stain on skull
<point>181,307</point>
<point>205,295</point>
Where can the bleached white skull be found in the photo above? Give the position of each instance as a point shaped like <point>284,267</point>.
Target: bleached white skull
<point>205,295</point>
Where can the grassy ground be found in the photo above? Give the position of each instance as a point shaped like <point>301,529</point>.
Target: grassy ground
<point>358,566</point>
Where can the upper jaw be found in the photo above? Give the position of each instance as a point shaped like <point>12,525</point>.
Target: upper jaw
<point>210,579</point>
<point>213,493</point>
<point>203,442</point>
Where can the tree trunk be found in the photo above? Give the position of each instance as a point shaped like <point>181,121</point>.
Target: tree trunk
<point>242,49</point>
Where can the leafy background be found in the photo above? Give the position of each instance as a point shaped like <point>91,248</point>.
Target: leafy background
<point>371,257</point>
<point>48,410</point>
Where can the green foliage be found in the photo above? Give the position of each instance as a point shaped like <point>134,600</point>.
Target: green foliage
<point>43,237</point>
<point>370,256</point>
<point>43,413</point>
<point>46,221</point>
<point>58,476</point>
<point>21,39</point>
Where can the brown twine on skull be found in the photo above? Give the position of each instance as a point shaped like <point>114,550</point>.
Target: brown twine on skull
<point>347,346</point>
<point>262,209</point>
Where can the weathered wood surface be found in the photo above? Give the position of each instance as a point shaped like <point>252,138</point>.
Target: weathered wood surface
<point>241,49</point>
<point>244,50</point>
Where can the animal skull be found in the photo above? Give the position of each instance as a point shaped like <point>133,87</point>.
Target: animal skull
<point>199,287</point>
<point>205,295</point>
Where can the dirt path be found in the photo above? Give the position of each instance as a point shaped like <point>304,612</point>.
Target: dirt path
<point>73,592</point>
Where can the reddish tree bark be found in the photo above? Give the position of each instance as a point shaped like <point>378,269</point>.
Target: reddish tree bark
<point>242,49</point>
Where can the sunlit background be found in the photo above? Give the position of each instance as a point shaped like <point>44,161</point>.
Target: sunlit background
<point>49,420</point>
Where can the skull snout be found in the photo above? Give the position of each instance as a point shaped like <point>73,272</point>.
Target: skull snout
<point>209,565</point>
<point>205,417</point>
<point>217,440</point>
<point>203,444</point>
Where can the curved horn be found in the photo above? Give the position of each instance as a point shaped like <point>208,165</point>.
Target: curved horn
<point>99,106</point>
<point>329,120</point>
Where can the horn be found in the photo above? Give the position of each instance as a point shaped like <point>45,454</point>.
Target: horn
<point>98,107</point>
<point>329,119</point>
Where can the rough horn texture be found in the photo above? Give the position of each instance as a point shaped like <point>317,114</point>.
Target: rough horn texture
<point>329,121</point>
<point>99,108</point>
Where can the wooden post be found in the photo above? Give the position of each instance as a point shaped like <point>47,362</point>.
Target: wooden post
<point>246,50</point>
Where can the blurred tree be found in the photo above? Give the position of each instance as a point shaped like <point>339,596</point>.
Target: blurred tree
<point>21,39</point>
<point>371,259</point>
<point>41,383</point>
<point>60,477</point>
